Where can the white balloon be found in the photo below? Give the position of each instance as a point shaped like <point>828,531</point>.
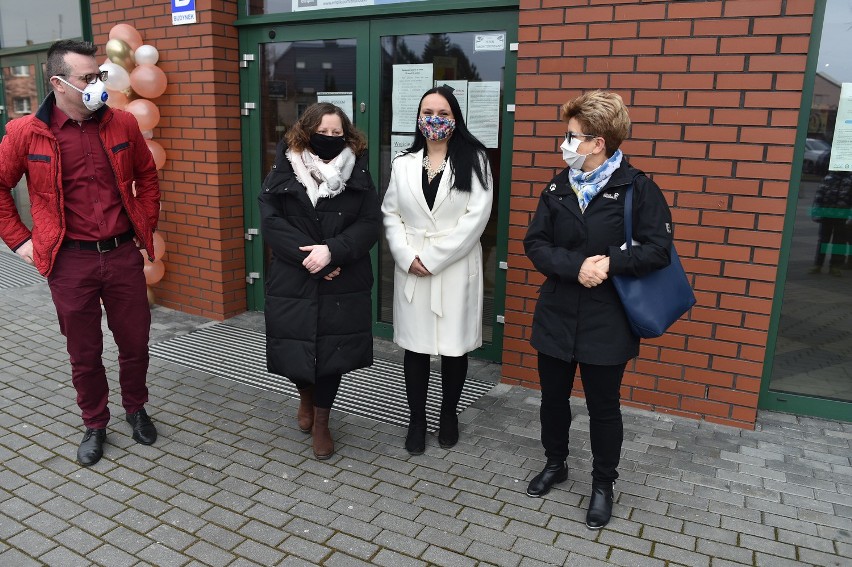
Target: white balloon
<point>147,55</point>
<point>117,78</point>
<point>147,134</point>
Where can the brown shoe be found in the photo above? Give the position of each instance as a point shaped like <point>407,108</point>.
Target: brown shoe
<point>323,443</point>
<point>305,415</point>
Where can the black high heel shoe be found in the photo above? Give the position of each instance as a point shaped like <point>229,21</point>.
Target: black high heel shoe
<point>415,441</point>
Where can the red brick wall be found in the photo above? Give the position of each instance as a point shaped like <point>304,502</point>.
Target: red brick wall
<point>201,183</point>
<point>714,90</point>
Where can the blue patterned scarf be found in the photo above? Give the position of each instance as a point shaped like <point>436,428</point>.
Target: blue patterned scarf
<point>587,185</point>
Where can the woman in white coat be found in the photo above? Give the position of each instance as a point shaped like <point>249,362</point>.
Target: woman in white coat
<point>435,210</point>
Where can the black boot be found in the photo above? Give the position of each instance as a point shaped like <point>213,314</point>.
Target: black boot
<point>448,429</point>
<point>600,506</point>
<point>415,441</point>
<point>416,368</point>
<point>555,471</point>
<point>453,374</point>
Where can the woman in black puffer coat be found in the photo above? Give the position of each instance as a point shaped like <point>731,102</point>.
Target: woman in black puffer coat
<point>320,216</point>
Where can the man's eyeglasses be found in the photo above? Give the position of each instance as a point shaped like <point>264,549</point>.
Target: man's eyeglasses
<point>90,78</point>
<point>569,136</point>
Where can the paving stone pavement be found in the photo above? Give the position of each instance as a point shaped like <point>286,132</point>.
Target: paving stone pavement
<point>232,482</point>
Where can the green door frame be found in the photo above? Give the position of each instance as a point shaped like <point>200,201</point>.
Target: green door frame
<point>368,28</point>
<point>783,401</point>
<point>250,42</point>
<point>432,24</point>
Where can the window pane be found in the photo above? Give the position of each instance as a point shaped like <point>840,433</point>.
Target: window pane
<point>813,353</point>
<point>27,22</point>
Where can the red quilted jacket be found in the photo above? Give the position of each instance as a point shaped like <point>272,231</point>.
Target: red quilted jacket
<point>30,148</point>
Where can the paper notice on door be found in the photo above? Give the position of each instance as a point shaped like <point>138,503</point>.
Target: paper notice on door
<point>409,84</point>
<point>459,91</point>
<point>483,111</point>
<point>400,143</point>
<point>342,100</point>
<point>841,145</point>
<point>489,42</point>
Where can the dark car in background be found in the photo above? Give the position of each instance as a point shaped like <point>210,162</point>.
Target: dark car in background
<point>817,152</point>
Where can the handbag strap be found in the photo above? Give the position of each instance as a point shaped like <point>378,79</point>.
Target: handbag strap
<point>628,216</point>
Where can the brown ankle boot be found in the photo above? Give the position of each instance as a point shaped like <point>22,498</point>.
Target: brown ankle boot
<point>323,443</point>
<point>305,415</point>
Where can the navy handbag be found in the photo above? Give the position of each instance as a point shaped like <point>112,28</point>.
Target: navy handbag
<point>653,302</point>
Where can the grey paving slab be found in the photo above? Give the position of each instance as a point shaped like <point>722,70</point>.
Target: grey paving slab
<point>232,481</point>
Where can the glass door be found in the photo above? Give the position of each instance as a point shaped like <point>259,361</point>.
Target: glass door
<point>359,63</point>
<point>809,354</point>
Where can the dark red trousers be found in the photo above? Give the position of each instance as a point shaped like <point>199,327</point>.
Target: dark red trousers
<point>79,281</point>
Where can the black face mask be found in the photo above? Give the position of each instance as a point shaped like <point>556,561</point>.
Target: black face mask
<point>327,147</point>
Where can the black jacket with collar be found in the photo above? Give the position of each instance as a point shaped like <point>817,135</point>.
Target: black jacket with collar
<point>572,322</point>
<point>316,327</point>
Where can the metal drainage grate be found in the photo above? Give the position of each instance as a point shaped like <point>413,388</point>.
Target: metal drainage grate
<point>14,272</point>
<point>377,392</point>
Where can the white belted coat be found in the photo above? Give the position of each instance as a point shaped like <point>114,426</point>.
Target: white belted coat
<point>441,313</point>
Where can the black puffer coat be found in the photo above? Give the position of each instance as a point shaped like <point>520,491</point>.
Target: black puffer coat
<point>572,322</point>
<point>316,327</point>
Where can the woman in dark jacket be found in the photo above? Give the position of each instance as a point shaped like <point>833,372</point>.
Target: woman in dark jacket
<point>576,240</point>
<point>320,217</point>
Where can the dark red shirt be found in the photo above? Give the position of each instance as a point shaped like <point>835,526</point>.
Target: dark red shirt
<point>93,208</point>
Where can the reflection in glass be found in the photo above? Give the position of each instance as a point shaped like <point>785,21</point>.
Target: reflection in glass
<point>31,22</point>
<point>293,72</point>
<point>453,58</point>
<point>813,353</point>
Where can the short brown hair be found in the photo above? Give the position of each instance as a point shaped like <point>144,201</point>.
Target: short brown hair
<point>601,113</point>
<point>56,64</point>
<point>299,135</point>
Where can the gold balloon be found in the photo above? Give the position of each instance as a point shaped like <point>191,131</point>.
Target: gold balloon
<point>120,53</point>
<point>152,300</point>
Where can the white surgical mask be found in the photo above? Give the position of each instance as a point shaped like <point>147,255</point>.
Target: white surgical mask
<point>94,96</point>
<point>570,155</point>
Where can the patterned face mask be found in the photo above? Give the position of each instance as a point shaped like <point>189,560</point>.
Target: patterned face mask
<point>436,128</point>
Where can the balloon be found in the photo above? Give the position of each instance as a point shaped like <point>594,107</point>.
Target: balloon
<point>127,34</point>
<point>159,247</point>
<point>117,77</point>
<point>146,55</point>
<point>117,99</point>
<point>148,81</point>
<point>152,299</point>
<point>120,53</point>
<point>145,111</point>
<point>147,134</point>
<point>153,271</point>
<point>158,152</point>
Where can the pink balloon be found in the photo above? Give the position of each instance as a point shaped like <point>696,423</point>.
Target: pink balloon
<point>117,99</point>
<point>158,152</point>
<point>148,81</point>
<point>128,34</point>
<point>159,247</point>
<point>154,271</point>
<point>145,111</point>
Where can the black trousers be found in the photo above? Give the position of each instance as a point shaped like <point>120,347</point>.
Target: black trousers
<point>834,237</point>
<point>416,369</point>
<point>325,390</point>
<point>602,386</point>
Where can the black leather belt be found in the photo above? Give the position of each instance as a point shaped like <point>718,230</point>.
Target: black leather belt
<point>99,245</point>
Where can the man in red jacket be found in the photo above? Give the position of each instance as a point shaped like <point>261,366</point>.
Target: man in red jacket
<point>81,160</point>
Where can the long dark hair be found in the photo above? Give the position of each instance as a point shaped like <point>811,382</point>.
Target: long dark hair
<point>466,153</point>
